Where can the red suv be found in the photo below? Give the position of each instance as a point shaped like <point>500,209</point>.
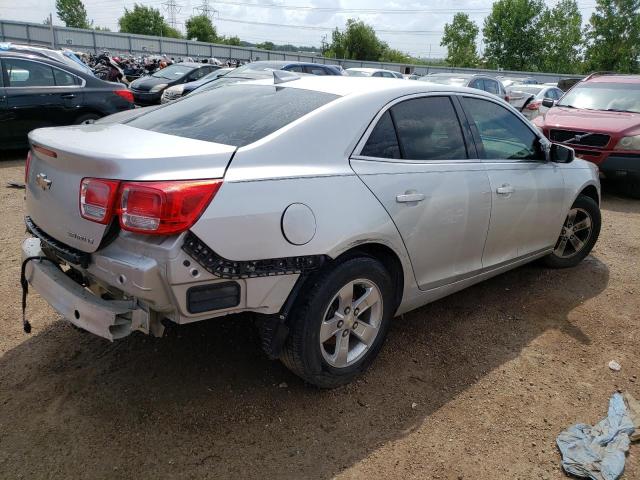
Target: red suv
<point>600,118</point>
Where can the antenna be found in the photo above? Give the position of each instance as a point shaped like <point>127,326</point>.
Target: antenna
<point>205,9</point>
<point>173,8</point>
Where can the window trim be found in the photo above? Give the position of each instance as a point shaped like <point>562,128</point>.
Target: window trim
<point>2,71</point>
<point>462,120</point>
<point>544,143</point>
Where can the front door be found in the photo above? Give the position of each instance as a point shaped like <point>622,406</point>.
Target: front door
<point>527,191</point>
<point>39,95</point>
<point>416,163</point>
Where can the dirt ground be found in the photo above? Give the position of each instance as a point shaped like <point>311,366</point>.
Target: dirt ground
<point>475,386</point>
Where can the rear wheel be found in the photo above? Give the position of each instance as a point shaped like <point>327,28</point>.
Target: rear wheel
<point>340,324</point>
<point>579,234</point>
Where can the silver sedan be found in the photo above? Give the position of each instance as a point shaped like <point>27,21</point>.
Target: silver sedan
<point>325,205</point>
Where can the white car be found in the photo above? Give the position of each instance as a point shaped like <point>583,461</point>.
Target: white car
<point>373,72</point>
<point>325,205</point>
<point>529,98</point>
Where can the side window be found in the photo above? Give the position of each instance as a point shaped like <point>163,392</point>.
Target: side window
<point>23,73</point>
<point>383,142</point>
<point>388,75</point>
<point>196,74</point>
<point>64,79</point>
<point>296,68</point>
<point>377,74</point>
<point>428,129</point>
<point>478,83</point>
<point>316,70</point>
<point>491,86</point>
<point>503,135</point>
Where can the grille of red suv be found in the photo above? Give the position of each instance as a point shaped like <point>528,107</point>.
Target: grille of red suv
<point>598,140</point>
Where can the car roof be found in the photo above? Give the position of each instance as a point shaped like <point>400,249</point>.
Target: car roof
<point>614,79</point>
<point>352,86</point>
<point>192,64</point>
<point>41,57</point>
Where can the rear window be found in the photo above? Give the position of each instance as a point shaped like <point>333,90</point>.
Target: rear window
<point>236,114</point>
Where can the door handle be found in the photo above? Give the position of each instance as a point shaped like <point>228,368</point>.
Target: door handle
<point>505,189</point>
<point>68,95</point>
<point>409,197</point>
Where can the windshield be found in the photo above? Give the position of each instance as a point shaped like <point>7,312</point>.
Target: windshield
<point>259,67</point>
<point>237,114</point>
<point>456,81</point>
<point>358,73</point>
<point>604,96</point>
<point>172,72</point>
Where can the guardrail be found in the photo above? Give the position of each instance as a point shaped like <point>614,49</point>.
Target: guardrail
<point>125,43</point>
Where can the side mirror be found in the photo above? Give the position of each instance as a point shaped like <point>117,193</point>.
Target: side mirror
<point>561,154</point>
<point>548,102</point>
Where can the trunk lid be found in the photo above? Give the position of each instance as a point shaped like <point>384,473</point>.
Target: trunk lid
<point>110,151</point>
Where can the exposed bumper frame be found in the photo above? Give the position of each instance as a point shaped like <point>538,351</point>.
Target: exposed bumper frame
<point>110,319</point>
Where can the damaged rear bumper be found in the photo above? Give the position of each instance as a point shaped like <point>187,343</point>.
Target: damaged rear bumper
<point>110,319</point>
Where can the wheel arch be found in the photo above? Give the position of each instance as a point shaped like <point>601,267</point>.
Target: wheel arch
<point>389,259</point>
<point>592,192</point>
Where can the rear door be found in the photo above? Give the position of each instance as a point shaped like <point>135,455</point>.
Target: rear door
<point>527,191</point>
<point>417,162</point>
<point>39,95</point>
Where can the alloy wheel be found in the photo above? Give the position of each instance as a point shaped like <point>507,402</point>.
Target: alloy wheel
<point>351,323</point>
<point>575,234</point>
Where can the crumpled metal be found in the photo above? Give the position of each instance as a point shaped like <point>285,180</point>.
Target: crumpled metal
<point>598,452</point>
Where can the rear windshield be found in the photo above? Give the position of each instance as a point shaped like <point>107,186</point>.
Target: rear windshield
<point>236,114</point>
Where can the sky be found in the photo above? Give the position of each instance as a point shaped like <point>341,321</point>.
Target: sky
<point>413,26</point>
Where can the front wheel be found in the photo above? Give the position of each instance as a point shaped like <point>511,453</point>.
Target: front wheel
<point>579,234</point>
<point>340,324</point>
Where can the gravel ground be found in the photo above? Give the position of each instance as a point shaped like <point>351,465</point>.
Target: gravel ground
<point>475,386</point>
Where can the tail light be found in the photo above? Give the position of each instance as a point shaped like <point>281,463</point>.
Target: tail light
<point>506,98</point>
<point>98,199</point>
<point>126,94</point>
<point>534,105</point>
<point>27,166</point>
<point>164,208</point>
<point>158,208</point>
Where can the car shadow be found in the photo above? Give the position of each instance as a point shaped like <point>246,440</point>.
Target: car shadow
<point>614,199</point>
<point>205,402</point>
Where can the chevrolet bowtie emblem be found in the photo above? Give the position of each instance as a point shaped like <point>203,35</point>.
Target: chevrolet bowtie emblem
<point>43,182</point>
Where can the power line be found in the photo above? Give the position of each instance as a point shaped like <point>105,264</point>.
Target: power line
<point>173,8</point>
<point>205,9</point>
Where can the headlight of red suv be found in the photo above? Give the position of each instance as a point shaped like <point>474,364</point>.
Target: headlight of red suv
<point>629,143</point>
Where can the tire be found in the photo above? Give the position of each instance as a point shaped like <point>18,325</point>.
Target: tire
<point>574,245</point>
<point>325,364</point>
<point>86,118</point>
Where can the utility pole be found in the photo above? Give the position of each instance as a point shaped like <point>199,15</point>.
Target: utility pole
<point>53,33</point>
<point>206,9</point>
<point>172,8</point>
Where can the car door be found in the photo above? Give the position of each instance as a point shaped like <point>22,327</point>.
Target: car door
<point>38,95</point>
<point>5,117</point>
<point>527,191</point>
<point>417,161</point>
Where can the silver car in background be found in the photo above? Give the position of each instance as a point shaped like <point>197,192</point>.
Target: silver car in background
<point>528,98</point>
<point>471,80</point>
<point>326,206</point>
<point>373,72</point>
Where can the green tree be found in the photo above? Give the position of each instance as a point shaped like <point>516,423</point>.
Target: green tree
<point>146,21</point>
<point>358,42</point>
<point>511,35</point>
<point>72,13</point>
<point>199,27</point>
<point>613,36</point>
<point>561,38</point>
<point>460,39</point>
<point>266,45</point>
<point>234,40</point>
